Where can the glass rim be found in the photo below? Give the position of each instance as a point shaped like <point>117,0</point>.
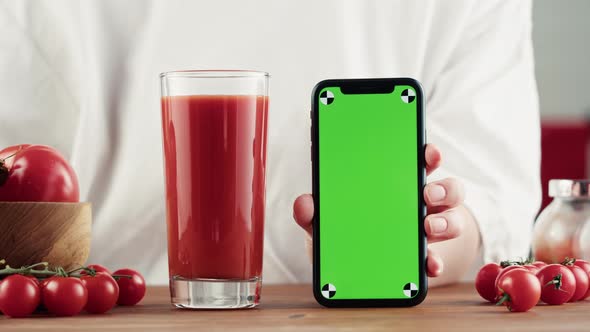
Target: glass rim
<point>217,73</point>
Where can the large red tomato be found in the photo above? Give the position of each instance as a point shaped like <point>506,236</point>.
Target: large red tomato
<point>36,173</point>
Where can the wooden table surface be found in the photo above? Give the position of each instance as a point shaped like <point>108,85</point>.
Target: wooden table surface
<point>292,308</point>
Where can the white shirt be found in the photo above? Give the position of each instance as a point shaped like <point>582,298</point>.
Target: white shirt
<point>83,77</point>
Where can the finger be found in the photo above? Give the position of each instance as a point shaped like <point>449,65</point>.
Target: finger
<point>433,158</point>
<point>448,192</point>
<point>445,225</point>
<point>434,264</point>
<point>303,212</point>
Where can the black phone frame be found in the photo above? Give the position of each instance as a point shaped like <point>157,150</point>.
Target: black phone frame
<point>370,85</point>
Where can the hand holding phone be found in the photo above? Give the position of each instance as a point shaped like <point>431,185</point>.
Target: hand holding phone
<point>448,219</point>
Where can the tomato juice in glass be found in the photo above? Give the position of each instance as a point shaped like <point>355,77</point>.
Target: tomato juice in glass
<point>214,141</point>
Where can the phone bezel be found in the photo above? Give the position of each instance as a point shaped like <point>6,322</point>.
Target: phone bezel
<point>361,85</point>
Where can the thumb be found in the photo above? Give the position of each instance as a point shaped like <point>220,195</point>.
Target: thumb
<point>303,212</point>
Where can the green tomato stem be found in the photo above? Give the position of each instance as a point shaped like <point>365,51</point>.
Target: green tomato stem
<point>568,261</point>
<point>8,270</point>
<point>505,297</point>
<point>10,156</point>
<point>555,281</point>
<point>47,272</point>
<point>78,269</point>
<point>4,171</point>
<point>44,264</point>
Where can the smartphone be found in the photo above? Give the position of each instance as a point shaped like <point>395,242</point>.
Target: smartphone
<point>368,165</point>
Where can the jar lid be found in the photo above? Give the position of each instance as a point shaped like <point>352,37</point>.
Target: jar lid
<point>569,188</point>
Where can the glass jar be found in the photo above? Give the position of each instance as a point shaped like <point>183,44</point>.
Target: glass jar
<point>562,228</point>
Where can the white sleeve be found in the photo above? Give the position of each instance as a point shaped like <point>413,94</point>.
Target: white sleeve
<point>483,114</point>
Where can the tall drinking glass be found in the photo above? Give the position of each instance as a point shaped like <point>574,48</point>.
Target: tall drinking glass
<point>214,130</point>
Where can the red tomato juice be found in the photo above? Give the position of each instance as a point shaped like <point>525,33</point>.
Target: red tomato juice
<point>215,162</point>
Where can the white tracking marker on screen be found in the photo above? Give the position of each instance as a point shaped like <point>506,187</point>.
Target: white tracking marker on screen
<point>408,96</point>
<point>410,289</point>
<point>327,97</point>
<point>328,291</point>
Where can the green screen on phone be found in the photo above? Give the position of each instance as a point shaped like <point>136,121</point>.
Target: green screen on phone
<point>369,186</point>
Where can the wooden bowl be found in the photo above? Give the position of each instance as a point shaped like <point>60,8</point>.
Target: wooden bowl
<point>33,232</point>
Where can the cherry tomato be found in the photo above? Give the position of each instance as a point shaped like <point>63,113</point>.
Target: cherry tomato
<point>19,296</point>
<point>506,270</point>
<point>532,268</point>
<point>64,296</point>
<point>485,281</point>
<point>97,268</point>
<point>539,264</point>
<point>40,307</point>
<point>131,290</point>
<point>36,173</point>
<point>42,284</point>
<point>558,284</point>
<point>34,279</point>
<point>581,282</point>
<point>103,292</point>
<point>585,265</point>
<point>519,290</point>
